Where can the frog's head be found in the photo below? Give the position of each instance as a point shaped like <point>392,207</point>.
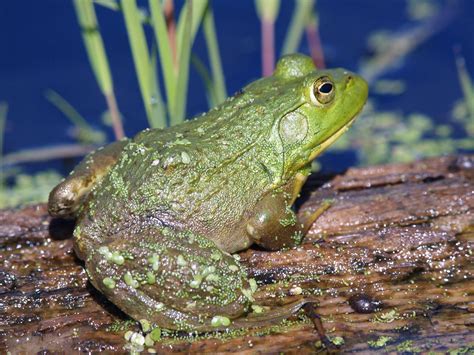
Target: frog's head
<point>327,103</point>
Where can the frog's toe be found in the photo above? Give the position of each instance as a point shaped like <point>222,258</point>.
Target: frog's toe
<point>176,280</point>
<point>67,197</point>
<point>63,200</point>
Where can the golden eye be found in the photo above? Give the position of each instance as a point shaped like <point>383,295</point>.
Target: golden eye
<point>323,91</point>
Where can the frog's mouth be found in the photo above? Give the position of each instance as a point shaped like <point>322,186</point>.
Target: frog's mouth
<point>325,144</point>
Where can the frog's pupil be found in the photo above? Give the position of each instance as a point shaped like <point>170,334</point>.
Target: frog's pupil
<point>325,88</point>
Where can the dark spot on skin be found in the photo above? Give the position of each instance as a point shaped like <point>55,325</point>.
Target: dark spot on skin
<point>363,303</point>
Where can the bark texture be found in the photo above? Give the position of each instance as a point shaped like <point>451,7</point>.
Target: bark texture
<point>390,263</point>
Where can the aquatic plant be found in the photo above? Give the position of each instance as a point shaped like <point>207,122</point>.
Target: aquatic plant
<point>162,70</point>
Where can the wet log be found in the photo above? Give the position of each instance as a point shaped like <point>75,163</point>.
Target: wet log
<point>390,263</point>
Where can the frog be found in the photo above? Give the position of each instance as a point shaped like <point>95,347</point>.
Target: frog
<point>161,216</point>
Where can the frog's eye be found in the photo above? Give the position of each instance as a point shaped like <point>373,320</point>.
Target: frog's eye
<point>323,91</point>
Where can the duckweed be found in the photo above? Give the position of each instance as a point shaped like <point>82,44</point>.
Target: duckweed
<point>108,282</point>
<point>218,321</point>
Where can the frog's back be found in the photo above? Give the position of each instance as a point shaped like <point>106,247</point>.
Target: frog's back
<point>188,174</point>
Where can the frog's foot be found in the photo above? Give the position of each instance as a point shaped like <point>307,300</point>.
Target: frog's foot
<point>66,198</point>
<point>310,310</point>
<point>310,217</point>
<point>177,280</point>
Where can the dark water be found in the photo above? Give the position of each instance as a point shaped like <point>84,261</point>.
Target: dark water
<point>41,48</point>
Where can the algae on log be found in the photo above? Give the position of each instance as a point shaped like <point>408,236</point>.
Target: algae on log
<point>390,262</point>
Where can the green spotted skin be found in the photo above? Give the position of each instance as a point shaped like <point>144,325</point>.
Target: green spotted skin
<point>159,215</point>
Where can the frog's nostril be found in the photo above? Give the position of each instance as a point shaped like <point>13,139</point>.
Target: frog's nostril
<point>349,80</point>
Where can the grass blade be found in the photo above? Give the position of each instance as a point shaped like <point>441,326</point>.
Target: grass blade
<point>184,51</point>
<point>98,59</point>
<point>300,18</point>
<point>110,4</point>
<point>467,88</point>
<point>218,80</point>
<point>141,58</point>
<point>199,7</point>
<point>206,78</point>
<point>61,151</point>
<point>67,109</point>
<point>87,134</point>
<point>158,104</point>
<point>166,55</point>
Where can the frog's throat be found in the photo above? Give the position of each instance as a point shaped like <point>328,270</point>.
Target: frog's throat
<point>322,147</point>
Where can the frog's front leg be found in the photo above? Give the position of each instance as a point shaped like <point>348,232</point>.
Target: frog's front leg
<point>274,225</point>
<point>66,197</point>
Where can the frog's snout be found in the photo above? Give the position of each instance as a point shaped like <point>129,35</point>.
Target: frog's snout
<point>357,83</point>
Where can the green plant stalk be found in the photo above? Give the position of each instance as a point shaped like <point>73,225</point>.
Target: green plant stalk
<point>199,7</point>
<point>184,51</point>
<point>267,9</point>
<point>98,59</point>
<point>299,20</point>
<point>164,48</point>
<point>218,80</point>
<point>141,59</point>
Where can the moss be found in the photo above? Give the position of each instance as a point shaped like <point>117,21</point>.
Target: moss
<point>26,189</point>
<point>338,341</point>
<point>461,351</point>
<point>121,325</point>
<point>407,346</point>
<point>380,342</point>
<point>387,317</point>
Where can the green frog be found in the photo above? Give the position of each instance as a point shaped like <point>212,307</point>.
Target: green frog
<point>159,215</point>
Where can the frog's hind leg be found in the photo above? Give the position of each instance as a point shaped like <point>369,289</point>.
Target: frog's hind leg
<point>177,280</point>
<point>66,197</point>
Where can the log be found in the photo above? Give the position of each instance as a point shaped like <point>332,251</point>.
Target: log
<point>390,263</point>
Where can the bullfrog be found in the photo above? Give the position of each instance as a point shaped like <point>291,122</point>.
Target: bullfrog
<point>159,216</point>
